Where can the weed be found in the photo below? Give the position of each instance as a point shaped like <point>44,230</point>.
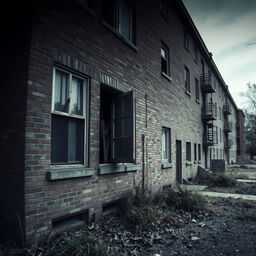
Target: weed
<point>186,200</point>
<point>81,243</point>
<point>217,179</point>
<point>144,217</point>
<point>240,176</point>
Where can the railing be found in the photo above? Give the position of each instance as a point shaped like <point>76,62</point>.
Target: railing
<point>207,83</point>
<point>228,127</point>
<point>209,112</point>
<point>208,137</point>
<point>227,109</point>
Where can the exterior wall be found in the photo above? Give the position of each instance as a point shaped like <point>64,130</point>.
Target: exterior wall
<point>233,136</point>
<point>240,133</point>
<point>76,39</point>
<point>14,68</point>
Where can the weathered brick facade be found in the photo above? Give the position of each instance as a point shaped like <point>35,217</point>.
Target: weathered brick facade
<point>66,35</point>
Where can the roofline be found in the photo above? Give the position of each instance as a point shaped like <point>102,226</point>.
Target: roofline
<point>205,49</point>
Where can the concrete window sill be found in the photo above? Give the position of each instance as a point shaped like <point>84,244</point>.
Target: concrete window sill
<point>195,162</point>
<point>166,76</point>
<point>197,101</point>
<point>199,162</point>
<point>166,165</point>
<point>110,168</point>
<point>188,93</point>
<point>60,173</point>
<point>188,163</point>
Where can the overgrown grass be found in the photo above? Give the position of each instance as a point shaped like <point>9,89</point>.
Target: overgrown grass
<point>217,180</point>
<point>81,243</point>
<point>186,200</point>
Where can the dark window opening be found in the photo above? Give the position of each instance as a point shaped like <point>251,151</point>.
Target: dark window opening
<point>116,126</point>
<point>197,89</point>
<point>199,152</point>
<point>187,79</point>
<point>165,61</point>
<point>120,15</point>
<point>195,152</point>
<point>188,151</point>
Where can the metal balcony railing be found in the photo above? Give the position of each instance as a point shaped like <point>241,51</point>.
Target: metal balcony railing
<point>228,127</point>
<point>208,137</point>
<point>227,109</point>
<point>207,83</point>
<point>209,112</point>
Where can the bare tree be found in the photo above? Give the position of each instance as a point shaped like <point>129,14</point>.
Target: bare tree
<point>250,94</point>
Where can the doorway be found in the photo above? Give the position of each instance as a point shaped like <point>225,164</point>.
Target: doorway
<point>178,162</point>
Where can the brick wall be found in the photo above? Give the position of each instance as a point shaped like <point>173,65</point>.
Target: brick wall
<point>65,34</point>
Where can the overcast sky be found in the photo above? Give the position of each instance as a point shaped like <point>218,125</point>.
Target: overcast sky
<point>227,27</point>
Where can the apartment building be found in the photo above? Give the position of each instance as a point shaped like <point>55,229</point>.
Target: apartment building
<point>100,98</point>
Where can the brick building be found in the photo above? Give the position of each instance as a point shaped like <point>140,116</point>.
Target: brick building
<point>99,98</point>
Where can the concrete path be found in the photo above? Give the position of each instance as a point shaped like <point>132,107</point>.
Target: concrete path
<point>228,195</point>
<point>193,187</point>
<point>246,181</point>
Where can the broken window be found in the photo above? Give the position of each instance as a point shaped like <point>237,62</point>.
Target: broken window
<point>120,15</point>
<point>117,127</point>
<point>68,117</point>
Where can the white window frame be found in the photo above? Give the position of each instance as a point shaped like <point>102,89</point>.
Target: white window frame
<point>85,106</point>
<point>166,145</point>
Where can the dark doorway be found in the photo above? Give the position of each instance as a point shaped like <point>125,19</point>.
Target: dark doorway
<point>178,162</point>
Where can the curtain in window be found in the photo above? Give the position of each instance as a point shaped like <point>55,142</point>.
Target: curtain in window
<point>61,91</point>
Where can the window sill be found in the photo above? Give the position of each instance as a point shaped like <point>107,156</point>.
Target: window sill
<point>166,76</point>
<point>199,162</point>
<point>69,172</point>
<point>188,93</point>
<point>117,168</point>
<point>188,163</point>
<point>135,48</point>
<point>166,165</point>
<point>197,101</point>
<point>195,162</point>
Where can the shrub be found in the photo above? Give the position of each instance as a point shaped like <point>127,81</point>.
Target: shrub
<point>217,180</point>
<point>186,200</point>
<point>144,217</point>
<point>81,243</point>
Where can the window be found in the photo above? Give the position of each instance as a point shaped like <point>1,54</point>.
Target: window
<point>195,152</point>
<point>199,152</point>
<point>215,134</point>
<point>195,53</point>
<point>219,91</point>
<point>213,153</point>
<point>164,9</point>
<point>220,136</point>
<point>217,153</point>
<point>220,113</point>
<point>166,145</point>
<point>216,109</point>
<point>188,151</point>
<point>187,79</point>
<point>69,118</point>
<point>186,40</point>
<point>120,15</point>
<point>197,89</point>
<point>116,126</point>
<point>165,62</point>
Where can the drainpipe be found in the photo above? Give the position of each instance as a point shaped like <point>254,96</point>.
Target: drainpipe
<point>143,163</point>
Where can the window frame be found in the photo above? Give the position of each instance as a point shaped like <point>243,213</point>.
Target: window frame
<point>85,106</point>
<point>165,48</point>
<point>188,151</point>
<point>168,145</point>
<point>195,152</point>
<point>187,80</point>
<point>199,153</point>
<point>197,90</point>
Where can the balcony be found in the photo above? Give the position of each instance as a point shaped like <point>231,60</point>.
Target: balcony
<point>208,136</point>
<point>207,83</point>
<point>227,127</point>
<point>228,144</point>
<point>227,109</point>
<point>208,112</point>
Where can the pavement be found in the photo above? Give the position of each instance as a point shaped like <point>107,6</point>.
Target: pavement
<point>228,195</point>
